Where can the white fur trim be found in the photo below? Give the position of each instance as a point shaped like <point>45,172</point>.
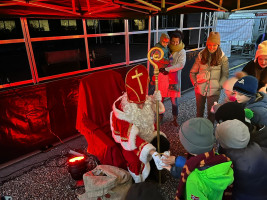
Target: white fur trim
<point>136,178</point>
<point>115,137</point>
<point>163,134</point>
<point>141,177</point>
<point>130,145</point>
<point>144,155</point>
<point>117,112</point>
<point>146,171</point>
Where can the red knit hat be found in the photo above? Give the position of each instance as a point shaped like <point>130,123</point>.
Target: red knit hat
<point>136,83</point>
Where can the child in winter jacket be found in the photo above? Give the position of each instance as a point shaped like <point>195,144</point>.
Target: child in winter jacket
<point>249,160</point>
<point>246,94</point>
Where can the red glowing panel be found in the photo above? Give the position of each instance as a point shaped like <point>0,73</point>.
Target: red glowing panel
<point>72,160</point>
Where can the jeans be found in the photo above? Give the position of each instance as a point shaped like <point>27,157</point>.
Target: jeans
<point>174,101</point>
<point>200,102</point>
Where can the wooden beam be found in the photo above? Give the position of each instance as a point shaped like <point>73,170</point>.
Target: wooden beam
<point>8,4</point>
<point>251,6</point>
<point>221,2</point>
<point>125,7</point>
<point>134,5</point>
<point>149,4</point>
<point>48,6</point>
<point>162,4</point>
<point>73,6</point>
<point>88,5</point>
<point>215,4</point>
<point>238,4</point>
<point>183,4</point>
<point>204,8</point>
<point>103,9</point>
<point>158,1</point>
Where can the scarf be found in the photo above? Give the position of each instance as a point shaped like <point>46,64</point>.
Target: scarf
<point>201,160</point>
<point>176,48</point>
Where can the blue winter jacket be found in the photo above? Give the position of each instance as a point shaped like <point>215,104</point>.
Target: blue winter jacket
<point>250,172</point>
<point>258,105</point>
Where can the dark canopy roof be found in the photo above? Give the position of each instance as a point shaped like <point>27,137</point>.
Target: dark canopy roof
<point>103,9</point>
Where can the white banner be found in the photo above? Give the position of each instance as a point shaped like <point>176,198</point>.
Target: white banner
<point>235,30</point>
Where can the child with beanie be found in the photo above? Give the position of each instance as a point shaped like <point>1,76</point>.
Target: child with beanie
<point>208,74</point>
<point>205,174</point>
<point>228,90</point>
<point>229,84</point>
<point>258,66</point>
<point>166,60</point>
<point>246,94</point>
<point>163,44</point>
<point>249,160</point>
<point>234,110</point>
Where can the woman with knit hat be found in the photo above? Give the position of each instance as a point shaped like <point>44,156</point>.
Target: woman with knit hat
<point>170,78</point>
<point>258,67</point>
<point>208,74</point>
<point>249,160</point>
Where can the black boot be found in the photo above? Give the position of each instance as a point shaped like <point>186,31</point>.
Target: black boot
<point>174,122</point>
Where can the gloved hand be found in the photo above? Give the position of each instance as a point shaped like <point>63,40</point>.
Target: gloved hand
<point>213,108</point>
<point>157,96</point>
<point>165,156</point>
<point>157,159</point>
<point>163,71</point>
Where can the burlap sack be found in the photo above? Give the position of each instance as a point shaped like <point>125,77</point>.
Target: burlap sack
<point>106,182</point>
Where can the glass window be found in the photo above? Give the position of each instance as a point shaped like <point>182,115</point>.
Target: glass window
<point>14,63</point>
<point>138,24</point>
<point>60,56</point>
<point>92,26</point>
<point>163,21</point>
<point>169,21</point>
<point>104,26</point>
<point>39,25</point>
<point>106,50</point>
<point>10,29</point>
<point>191,20</point>
<point>191,38</point>
<point>138,46</point>
<point>54,27</point>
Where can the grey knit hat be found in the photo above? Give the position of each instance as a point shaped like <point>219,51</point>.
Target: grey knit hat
<point>232,134</point>
<point>196,135</point>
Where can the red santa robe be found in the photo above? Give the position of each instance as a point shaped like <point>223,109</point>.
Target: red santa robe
<point>136,145</point>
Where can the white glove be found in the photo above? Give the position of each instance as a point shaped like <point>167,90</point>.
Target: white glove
<point>157,96</point>
<point>212,108</point>
<point>165,155</point>
<point>157,159</point>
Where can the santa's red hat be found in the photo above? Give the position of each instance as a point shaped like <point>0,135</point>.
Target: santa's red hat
<point>136,83</point>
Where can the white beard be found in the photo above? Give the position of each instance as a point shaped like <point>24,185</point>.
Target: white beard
<point>143,118</point>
